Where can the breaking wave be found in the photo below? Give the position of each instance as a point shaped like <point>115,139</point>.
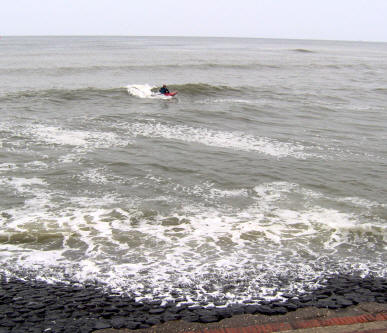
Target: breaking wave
<point>197,250</point>
<point>206,89</point>
<point>188,89</point>
<point>145,91</point>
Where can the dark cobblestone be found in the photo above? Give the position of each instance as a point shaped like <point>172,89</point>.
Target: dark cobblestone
<point>36,306</point>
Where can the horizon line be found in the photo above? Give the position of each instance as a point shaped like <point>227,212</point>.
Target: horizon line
<point>189,36</point>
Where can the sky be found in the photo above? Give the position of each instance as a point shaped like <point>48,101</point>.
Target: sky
<point>359,20</point>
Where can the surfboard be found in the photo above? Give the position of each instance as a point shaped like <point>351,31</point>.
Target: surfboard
<point>173,93</point>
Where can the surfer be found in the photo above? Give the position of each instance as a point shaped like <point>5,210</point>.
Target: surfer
<point>164,90</point>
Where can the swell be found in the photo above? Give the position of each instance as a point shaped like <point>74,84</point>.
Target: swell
<point>76,70</point>
<point>303,51</point>
<point>91,93</point>
<point>382,91</point>
<point>122,68</point>
<point>194,89</point>
<point>64,94</point>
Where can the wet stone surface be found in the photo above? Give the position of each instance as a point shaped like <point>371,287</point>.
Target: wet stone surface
<point>35,306</point>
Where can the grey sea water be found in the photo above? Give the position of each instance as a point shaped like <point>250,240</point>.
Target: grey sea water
<point>266,174</point>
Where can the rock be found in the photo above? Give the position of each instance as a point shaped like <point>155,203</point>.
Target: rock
<point>118,322</point>
<point>34,319</point>
<point>153,321</point>
<point>143,325</point>
<point>107,315</point>
<point>291,306</point>
<point>279,310</point>
<point>18,320</point>
<point>252,309</point>
<point>35,306</point>
<point>181,299</point>
<point>132,325</point>
<point>208,319</point>
<point>7,323</point>
<point>306,299</point>
<point>247,301</point>
<point>265,309</point>
<point>156,310</point>
<point>35,330</point>
<point>56,307</point>
<point>27,306</point>
<point>203,312</point>
<point>344,302</point>
<point>223,313</point>
<point>324,303</point>
<point>190,318</point>
<point>12,314</point>
<point>381,299</point>
<point>137,304</point>
<point>170,316</point>
<point>99,325</point>
<point>236,310</point>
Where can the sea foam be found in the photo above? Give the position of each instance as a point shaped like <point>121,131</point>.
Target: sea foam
<point>216,138</point>
<point>197,249</point>
<point>145,91</point>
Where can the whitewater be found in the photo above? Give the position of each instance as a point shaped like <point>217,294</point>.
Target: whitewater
<point>263,176</point>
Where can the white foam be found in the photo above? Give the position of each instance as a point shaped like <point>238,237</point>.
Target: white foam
<point>197,245</point>
<point>86,139</point>
<point>88,269</point>
<point>36,165</point>
<point>101,201</point>
<point>361,202</point>
<point>222,139</point>
<point>79,140</point>
<point>57,135</point>
<point>97,176</point>
<point>228,193</point>
<point>69,158</point>
<point>8,166</point>
<point>22,184</point>
<point>145,91</point>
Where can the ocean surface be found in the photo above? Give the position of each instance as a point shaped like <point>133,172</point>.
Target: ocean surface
<point>265,175</point>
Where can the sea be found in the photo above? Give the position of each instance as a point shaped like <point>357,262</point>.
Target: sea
<point>265,175</point>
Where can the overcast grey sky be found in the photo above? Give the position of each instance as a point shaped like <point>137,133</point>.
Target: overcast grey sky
<point>304,19</point>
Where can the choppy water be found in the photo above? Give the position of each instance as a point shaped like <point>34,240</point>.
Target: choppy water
<point>267,172</point>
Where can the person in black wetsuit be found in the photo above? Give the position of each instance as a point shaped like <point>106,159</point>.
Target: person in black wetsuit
<point>164,90</point>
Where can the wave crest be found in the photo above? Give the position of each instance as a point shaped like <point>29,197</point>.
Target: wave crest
<point>65,94</point>
<point>188,89</point>
<point>205,89</point>
<point>145,91</point>
<point>303,51</point>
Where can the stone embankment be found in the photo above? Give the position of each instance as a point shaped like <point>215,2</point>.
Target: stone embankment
<point>33,306</point>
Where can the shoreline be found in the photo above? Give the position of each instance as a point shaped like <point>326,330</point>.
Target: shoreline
<point>304,318</point>
<point>35,306</point>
